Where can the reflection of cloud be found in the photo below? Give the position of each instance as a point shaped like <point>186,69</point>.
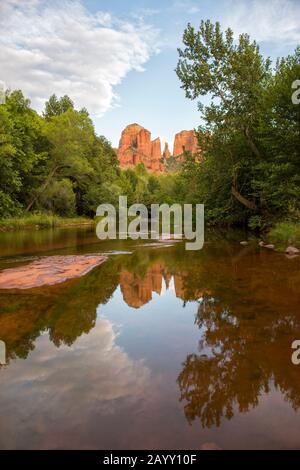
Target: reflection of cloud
<point>66,386</point>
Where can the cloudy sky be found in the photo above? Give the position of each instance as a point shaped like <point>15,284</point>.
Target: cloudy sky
<point>117,57</point>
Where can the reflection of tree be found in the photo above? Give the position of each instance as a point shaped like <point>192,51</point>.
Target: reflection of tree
<point>67,310</point>
<point>248,318</point>
<point>247,328</point>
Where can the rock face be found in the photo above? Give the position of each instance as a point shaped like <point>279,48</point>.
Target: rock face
<point>167,152</point>
<point>48,271</point>
<point>136,146</point>
<point>127,143</point>
<point>156,155</point>
<point>185,141</point>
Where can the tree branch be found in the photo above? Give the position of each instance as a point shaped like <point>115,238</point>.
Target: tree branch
<point>249,204</point>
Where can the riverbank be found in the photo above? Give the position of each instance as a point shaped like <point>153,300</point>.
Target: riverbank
<point>285,234</point>
<point>42,221</point>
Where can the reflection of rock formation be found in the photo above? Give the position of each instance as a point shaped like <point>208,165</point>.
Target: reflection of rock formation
<point>137,290</point>
<point>181,285</point>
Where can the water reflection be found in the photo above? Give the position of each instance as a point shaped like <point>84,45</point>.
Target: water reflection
<point>68,310</point>
<point>124,343</point>
<point>248,323</point>
<point>61,394</point>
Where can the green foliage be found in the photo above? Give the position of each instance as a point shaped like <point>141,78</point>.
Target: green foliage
<point>250,136</point>
<point>59,198</point>
<point>285,234</point>
<point>56,107</point>
<point>40,220</point>
<point>55,162</point>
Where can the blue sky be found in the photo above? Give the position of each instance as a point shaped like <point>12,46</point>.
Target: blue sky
<point>118,57</point>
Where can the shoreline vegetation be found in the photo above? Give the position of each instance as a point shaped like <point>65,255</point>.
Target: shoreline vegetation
<point>43,221</point>
<point>285,234</point>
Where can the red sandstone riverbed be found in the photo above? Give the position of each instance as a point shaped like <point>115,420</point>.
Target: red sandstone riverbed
<point>49,271</point>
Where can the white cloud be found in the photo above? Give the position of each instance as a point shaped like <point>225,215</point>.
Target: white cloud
<point>266,21</point>
<point>59,47</point>
<point>188,6</point>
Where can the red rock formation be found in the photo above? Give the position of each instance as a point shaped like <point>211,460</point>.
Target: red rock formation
<point>156,155</point>
<point>144,144</point>
<point>49,271</point>
<point>136,146</point>
<point>128,142</point>
<point>185,140</point>
<point>166,152</point>
<point>156,149</point>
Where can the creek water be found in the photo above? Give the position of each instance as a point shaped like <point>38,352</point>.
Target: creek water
<point>158,348</point>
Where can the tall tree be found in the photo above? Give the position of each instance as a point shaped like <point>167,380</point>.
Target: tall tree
<point>234,76</point>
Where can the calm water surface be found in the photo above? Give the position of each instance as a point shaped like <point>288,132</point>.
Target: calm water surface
<point>158,348</point>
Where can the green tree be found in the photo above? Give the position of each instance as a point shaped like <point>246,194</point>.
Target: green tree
<point>71,136</point>
<point>56,107</point>
<point>23,148</point>
<point>59,198</point>
<point>234,76</point>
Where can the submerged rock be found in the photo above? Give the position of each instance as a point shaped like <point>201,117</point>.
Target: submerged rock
<point>49,271</point>
<point>210,446</point>
<point>244,243</point>
<point>291,256</point>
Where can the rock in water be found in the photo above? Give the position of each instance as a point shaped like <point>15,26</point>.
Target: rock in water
<point>49,271</point>
<point>210,446</point>
<point>292,250</point>
<point>244,243</point>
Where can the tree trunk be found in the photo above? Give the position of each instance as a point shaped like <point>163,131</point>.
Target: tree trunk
<point>251,143</point>
<point>43,187</point>
<point>249,204</point>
